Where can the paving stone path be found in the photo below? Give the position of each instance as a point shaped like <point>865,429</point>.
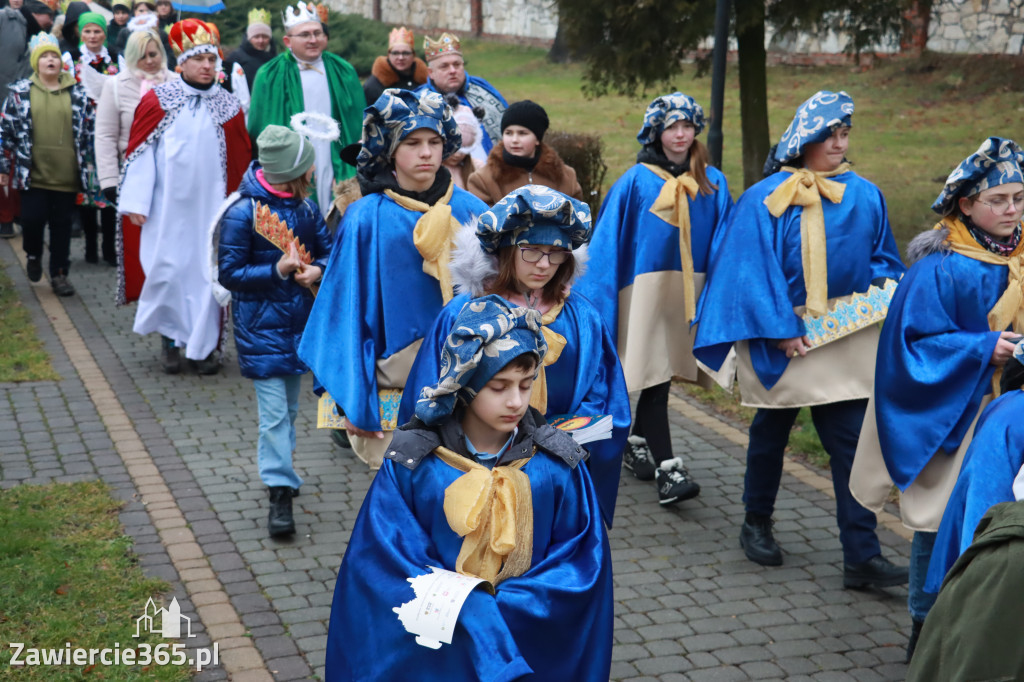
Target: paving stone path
<point>181,451</point>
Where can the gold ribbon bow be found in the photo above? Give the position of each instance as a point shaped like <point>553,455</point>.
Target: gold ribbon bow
<point>556,343</point>
<point>304,66</point>
<point>673,206</point>
<point>433,236</point>
<point>806,188</point>
<point>492,510</point>
<point>1010,306</point>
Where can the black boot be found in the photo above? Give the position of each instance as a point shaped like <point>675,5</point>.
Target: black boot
<point>209,365</point>
<point>875,572</point>
<point>281,522</point>
<point>170,355</point>
<point>757,541</point>
<point>915,634</point>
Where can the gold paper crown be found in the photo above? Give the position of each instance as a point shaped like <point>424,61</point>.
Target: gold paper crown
<point>190,33</point>
<point>259,16</point>
<point>446,44</point>
<point>401,35</point>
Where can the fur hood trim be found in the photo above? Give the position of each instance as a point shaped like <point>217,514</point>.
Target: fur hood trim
<point>549,165</point>
<point>385,73</point>
<point>927,243</point>
<point>473,268</point>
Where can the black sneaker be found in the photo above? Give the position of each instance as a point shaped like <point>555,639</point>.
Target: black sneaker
<point>209,365</point>
<point>7,231</point>
<point>674,482</point>
<point>61,286</point>
<point>875,572</point>
<point>280,521</point>
<point>34,268</point>
<point>170,356</point>
<point>757,541</point>
<point>638,459</point>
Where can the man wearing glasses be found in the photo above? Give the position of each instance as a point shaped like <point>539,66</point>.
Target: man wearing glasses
<point>306,79</point>
<point>401,68</point>
<point>448,76</point>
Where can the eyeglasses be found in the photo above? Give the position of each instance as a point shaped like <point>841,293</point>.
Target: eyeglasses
<point>400,54</point>
<point>1001,204</point>
<point>532,255</point>
<point>306,35</point>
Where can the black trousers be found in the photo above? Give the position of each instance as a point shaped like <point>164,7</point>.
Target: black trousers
<point>42,207</point>
<point>92,228</point>
<point>651,421</point>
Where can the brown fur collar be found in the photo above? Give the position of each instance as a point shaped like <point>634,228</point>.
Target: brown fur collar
<point>549,165</point>
<point>385,73</point>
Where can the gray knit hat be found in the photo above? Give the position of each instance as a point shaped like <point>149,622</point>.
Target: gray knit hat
<point>284,154</point>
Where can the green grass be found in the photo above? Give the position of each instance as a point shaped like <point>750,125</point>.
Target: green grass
<point>67,575</point>
<point>23,358</point>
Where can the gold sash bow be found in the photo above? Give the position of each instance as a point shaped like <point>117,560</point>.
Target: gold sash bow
<point>492,510</point>
<point>806,188</point>
<point>433,236</point>
<point>673,206</point>
<point>1009,309</point>
<point>556,343</point>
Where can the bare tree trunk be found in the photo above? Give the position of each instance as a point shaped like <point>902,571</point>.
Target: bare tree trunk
<point>559,52</point>
<point>750,17</point>
<point>916,17</point>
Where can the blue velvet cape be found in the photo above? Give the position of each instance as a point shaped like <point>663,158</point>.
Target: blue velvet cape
<point>554,621</point>
<point>933,359</point>
<point>757,272</point>
<point>986,478</point>
<point>586,380</point>
<point>374,300</point>
<point>629,240</point>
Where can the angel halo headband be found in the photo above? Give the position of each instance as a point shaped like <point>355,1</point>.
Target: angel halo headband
<point>315,126</point>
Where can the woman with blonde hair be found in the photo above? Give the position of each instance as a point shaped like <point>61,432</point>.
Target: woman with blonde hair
<point>147,67</point>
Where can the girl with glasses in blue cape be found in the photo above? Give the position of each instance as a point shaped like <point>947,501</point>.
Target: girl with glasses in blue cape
<point>530,248</point>
<point>388,276</point>
<point>478,483</point>
<point>947,335</point>
<point>811,233</point>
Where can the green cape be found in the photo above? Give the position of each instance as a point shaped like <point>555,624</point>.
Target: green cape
<point>277,96</point>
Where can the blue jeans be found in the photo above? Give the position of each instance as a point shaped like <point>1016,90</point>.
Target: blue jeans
<point>838,426</point>
<point>919,602</point>
<point>278,401</point>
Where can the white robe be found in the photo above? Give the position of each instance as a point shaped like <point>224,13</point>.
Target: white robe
<point>316,97</point>
<point>178,183</point>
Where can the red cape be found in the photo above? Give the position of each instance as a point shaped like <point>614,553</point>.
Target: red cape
<point>148,116</point>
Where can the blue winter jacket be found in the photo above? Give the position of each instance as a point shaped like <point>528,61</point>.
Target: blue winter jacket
<point>269,313</point>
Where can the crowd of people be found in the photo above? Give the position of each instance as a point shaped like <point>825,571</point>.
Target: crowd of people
<point>467,297</point>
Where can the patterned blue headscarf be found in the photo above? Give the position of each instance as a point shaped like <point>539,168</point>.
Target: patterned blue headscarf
<point>488,334</point>
<point>666,110</point>
<point>394,115</point>
<point>534,214</point>
<point>997,162</point>
<point>815,121</point>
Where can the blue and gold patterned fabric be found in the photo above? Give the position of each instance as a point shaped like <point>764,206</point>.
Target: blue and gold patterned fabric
<point>814,122</point>
<point>488,334</point>
<point>997,162</point>
<point>395,115</point>
<point>663,111</point>
<point>534,214</point>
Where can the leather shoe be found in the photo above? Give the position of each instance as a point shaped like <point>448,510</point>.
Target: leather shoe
<point>757,541</point>
<point>280,521</point>
<point>875,572</point>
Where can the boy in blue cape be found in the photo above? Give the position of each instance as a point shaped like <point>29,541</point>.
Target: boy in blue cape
<point>478,459</point>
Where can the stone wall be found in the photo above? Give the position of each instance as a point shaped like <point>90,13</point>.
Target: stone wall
<point>964,26</point>
<point>977,26</point>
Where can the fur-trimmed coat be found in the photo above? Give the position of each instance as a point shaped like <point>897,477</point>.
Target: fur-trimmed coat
<point>383,76</point>
<point>16,132</point>
<point>496,179</point>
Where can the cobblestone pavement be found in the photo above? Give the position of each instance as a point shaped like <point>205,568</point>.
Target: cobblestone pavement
<point>689,606</point>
